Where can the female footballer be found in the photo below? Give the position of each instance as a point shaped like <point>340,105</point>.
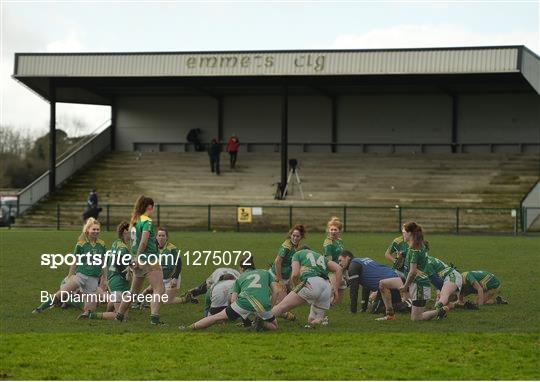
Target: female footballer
<point>419,269</point>
<point>332,248</point>
<point>281,269</point>
<point>145,258</point>
<point>171,265</point>
<point>118,275</point>
<point>310,275</point>
<point>84,275</point>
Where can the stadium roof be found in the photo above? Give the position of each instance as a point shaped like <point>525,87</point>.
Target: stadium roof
<point>98,77</point>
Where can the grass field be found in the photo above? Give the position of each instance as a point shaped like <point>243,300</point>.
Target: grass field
<point>496,342</point>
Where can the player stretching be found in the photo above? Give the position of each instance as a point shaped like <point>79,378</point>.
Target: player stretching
<point>171,265</point>
<point>368,274</point>
<point>332,248</point>
<point>281,269</point>
<point>310,275</point>
<point>85,275</point>
<point>118,273</point>
<point>485,285</point>
<point>250,296</point>
<point>143,244</point>
<point>451,284</point>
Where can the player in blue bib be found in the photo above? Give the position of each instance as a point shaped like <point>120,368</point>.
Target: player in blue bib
<point>368,274</point>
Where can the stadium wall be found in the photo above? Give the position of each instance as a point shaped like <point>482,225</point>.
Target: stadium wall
<point>365,118</point>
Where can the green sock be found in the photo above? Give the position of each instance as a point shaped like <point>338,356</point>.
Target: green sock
<point>119,317</point>
<point>95,316</point>
<point>45,304</point>
<point>438,305</point>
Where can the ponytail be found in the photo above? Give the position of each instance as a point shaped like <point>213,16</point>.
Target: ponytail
<point>141,204</point>
<point>417,235</point>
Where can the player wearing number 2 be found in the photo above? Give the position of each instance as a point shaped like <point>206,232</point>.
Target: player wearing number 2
<point>250,296</point>
<point>310,275</point>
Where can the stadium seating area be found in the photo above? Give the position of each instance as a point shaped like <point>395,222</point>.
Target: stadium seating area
<point>463,180</point>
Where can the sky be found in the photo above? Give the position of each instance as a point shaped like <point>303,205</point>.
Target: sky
<point>124,26</point>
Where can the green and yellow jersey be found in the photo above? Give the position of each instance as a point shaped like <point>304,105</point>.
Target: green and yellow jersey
<point>424,270</point>
<point>486,279</point>
<point>439,267</point>
<point>286,252</point>
<point>84,247</point>
<point>253,288</point>
<point>312,264</point>
<point>398,247</point>
<point>143,224</point>
<point>116,276</point>
<point>169,261</point>
<point>332,248</point>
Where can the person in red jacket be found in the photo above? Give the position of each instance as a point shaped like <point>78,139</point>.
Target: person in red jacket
<point>232,148</point>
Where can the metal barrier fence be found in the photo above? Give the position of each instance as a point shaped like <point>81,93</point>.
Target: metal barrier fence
<point>96,144</point>
<point>279,218</point>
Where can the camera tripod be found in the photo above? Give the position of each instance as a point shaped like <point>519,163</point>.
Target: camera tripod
<point>293,171</point>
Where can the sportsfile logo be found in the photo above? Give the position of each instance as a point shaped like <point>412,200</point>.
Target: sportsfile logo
<point>53,261</point>
<point>194,258</point>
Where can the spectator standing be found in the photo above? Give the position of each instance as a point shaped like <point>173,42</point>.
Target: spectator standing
<point>214,151</point>
<point>232,148</point>
<point>193,137</point>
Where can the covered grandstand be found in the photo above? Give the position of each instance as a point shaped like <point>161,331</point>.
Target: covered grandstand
<point>354,118</point>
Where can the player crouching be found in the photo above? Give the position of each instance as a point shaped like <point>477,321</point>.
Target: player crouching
<point>310,275</point>
<point>251,294</point>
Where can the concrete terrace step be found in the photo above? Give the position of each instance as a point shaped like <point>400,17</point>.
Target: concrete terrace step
<point>370,180</point>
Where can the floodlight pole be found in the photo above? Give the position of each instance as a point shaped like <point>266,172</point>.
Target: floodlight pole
<point>52,137</point>
<point>284,140</point>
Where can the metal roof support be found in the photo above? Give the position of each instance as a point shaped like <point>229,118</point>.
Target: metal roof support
<point>114,114</point>
<point>220,117</point>
<point>284,140</point>
<point>52,136</point>
<point>334,123</point>
<point>454,136</point>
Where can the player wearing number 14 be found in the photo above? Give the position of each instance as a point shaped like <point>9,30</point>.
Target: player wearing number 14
<point>310,275</point>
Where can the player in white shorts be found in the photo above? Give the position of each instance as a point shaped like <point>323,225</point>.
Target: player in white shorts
<point>310,275</point>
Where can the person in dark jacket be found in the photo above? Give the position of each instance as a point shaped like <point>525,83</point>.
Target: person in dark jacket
<point>214,151</point>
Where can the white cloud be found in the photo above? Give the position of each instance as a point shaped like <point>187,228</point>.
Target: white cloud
<point>426,36</point>
<point>70,43</point>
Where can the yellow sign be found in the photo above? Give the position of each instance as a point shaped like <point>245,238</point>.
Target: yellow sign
<point>244,215</point>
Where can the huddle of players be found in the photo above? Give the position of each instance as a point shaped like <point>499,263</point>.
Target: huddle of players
<point>408,283</point>
<point>298,276</point>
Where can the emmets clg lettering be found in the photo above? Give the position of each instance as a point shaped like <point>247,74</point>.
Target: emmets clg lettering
<point>309,62</point>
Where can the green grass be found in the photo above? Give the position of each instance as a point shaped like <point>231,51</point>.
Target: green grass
<point>496,342</point>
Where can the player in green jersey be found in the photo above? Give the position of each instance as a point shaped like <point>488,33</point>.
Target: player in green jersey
<point>310,275</point>
<point>419,272</point>
<point>84,274</point>
<point>485,285</point>
<point>145,259</point>
<point>281,269</point>
<point>395,254</point>
<point>251,295</point>
<point>171,266</point>
<point>452,282</point>
<point>118,275</point>
<point>332,248</point>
